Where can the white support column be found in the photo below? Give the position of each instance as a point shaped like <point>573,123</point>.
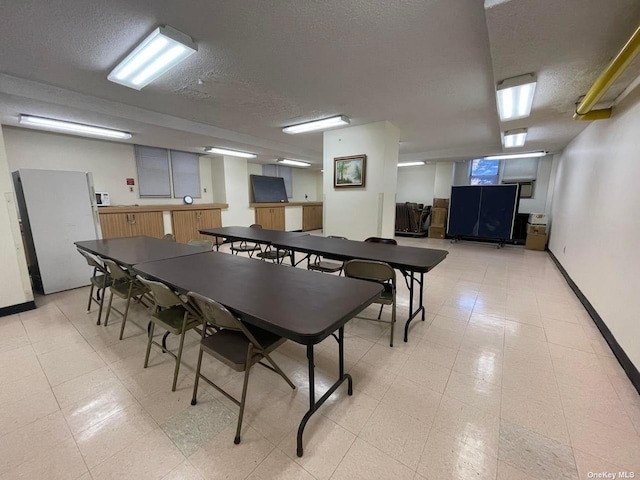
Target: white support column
<point>236,188</point>
<point>358,213</point>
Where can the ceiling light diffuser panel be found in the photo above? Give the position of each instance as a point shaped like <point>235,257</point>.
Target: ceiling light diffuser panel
<point>515,97</point>
<point>72,127</point>
<point>162,50</point>
<point>515,138</point>
<point>293,163</point>
<point>324,124</point>
<point>410,164</point>
<point>516,155</point>
<point>231,153</point>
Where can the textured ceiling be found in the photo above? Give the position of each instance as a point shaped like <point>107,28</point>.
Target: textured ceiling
<point>428,66</point>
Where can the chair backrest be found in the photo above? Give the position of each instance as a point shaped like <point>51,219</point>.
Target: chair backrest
<point>215,313</point>
<point>91,261</point>
<point>370,270</point>
<point>201,243</point>
<point>256,225</point>
<point>337,236</point>
<point>169,236</point>
<point>162,295</point>
<point>388,241</point>
<point>116,271</point>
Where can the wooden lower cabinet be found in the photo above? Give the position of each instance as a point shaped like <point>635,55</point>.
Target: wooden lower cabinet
<point>116,225</point>
<point>147,223</point>
<point>271,218</point>
<point>187,223</point>
<point>311,217</point>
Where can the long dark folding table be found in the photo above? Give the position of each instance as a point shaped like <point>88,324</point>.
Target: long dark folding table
<point>130,251</point>
<point>296,304</point>
<point>411,261</point>
<point>255,235</point>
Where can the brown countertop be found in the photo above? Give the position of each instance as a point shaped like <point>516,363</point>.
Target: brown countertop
<point>161,208</point>
<point>285,204</point>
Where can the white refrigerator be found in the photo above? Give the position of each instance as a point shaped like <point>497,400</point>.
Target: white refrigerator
<point>56,208</point>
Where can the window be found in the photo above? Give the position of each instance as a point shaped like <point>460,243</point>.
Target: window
<point>185,171</point>
<point>484,172</point>
<point>280,171</point>
<point>153,171</point>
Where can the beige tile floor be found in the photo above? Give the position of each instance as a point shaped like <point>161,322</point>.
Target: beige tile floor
<point>507,378</point>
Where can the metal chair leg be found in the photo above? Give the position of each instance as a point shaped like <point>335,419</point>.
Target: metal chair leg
<point>106,320</point>
<point>146,357</point>
<point>244,393</point>
<point>279,370</point>
<point>195,385</point>
<point>101,305</point>
<point>393,321</point>
<point>380,313</point>
<point>179,356</point>
<point>90,297</point>
<point>126,311</point>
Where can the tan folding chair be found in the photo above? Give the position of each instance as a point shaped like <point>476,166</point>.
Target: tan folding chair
<point>100,280</point>
<point>237,345</point>
<point>201,243</point>
<point>169,236</point>
<point>124,286</point>
<point>174,315</point>
<point>383,274</point>
<point>319,264</point>
<point>246,247</point>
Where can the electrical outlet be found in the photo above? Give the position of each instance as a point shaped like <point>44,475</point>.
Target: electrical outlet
<point>205,190</point>
<point>131,189</point>
<point>564,250</point>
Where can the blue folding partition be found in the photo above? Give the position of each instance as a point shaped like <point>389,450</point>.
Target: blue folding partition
<point>483,211</point>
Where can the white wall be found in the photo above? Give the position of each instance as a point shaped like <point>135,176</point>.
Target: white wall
<point>443,180</point>
<point>595,219</point>
<point>15,286</point>
<point>358,213</point>
<point>416,184</point>
<point>236,178</point>
<point>305,182</point>
<point>110,162</point>
<point>538,203</point>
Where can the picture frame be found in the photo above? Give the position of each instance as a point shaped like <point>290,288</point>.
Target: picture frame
<point>349,172</point>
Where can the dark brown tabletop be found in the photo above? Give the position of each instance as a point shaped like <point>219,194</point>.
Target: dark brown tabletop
<point>408,258</point>
<point>134,250</point>
<point>297,304</point>
<point>252,234</point>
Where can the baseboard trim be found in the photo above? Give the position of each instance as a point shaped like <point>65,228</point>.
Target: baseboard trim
<point>19,308</point>
<point>629,368</point>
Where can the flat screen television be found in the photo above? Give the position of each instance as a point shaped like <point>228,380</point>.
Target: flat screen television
<point>268,189</point>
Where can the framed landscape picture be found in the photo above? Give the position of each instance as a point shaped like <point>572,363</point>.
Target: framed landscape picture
<point>349,172</point>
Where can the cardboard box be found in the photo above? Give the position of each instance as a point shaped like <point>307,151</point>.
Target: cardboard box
<point>534,242</point>
<point>537,219</point>
<point>441,203</point>
<point>439,217</point>
<point>436,232</point>
<point>536,229</point>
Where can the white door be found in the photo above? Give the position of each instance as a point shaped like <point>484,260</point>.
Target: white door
<point>60,213</point>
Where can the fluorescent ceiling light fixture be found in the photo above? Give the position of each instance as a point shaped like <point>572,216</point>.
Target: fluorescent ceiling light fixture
<point>515,138</point>
<point>232,153</point>
<point>162,50</point>
<point>515,155</point>
<point>317,125</point>
<point>293,163</point>
<point>515,97</point>
<point>410,164</point>
<point>71,127</point>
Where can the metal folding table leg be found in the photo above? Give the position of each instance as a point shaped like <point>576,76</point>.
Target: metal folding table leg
<point>420,308</point>
<point>313,405</point>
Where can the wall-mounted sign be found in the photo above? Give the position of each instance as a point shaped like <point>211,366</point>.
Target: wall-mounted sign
<point>131,181</point>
